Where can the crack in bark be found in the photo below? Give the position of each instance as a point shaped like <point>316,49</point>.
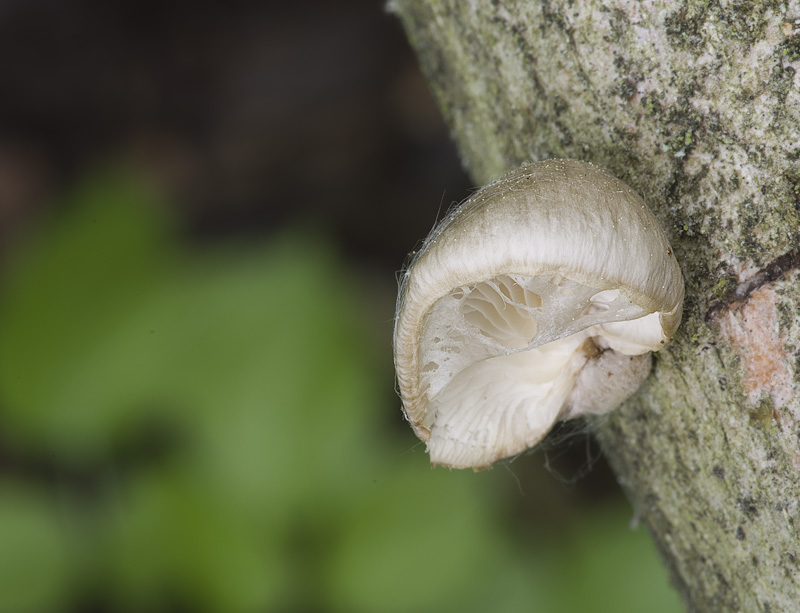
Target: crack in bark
<point>777,268</point>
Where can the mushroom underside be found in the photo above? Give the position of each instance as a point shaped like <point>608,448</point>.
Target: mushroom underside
<point>504,359</point>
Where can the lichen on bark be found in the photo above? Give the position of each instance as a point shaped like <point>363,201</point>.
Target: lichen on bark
<point>696,105</point>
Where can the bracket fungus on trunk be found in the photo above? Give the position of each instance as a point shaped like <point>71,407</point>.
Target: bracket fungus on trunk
<point>538,299</point>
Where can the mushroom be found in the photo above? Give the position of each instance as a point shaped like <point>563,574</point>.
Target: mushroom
<point>538,299</point>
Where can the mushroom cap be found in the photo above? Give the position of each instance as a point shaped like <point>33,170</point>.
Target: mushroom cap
<point>552,251</point>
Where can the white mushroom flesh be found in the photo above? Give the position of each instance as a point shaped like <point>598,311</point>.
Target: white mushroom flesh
<point>500,358</point>
<point>538,299</point>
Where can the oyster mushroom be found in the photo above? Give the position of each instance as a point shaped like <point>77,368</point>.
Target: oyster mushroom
<point>538,299</point>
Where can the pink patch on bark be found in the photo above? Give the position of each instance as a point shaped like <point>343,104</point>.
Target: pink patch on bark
<point>752,331</point>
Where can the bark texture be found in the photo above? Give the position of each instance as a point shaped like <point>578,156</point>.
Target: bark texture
<point>696,104</point>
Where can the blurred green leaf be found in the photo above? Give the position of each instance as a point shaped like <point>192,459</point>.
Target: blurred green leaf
<point>616,566</point>
<point>34,570</point>
<point>422,541</point>
<point>65,296</point>
<point>225,408</point>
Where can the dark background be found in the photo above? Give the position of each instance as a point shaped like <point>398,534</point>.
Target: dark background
<point>251,113</point>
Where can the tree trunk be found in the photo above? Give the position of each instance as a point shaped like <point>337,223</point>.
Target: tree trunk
<point>697,106</point>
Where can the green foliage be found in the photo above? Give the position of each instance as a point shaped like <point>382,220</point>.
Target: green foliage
<point>33,560</point>
<point>214,436</point>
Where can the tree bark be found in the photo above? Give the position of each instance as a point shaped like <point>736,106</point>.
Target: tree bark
<point>697,106</point>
